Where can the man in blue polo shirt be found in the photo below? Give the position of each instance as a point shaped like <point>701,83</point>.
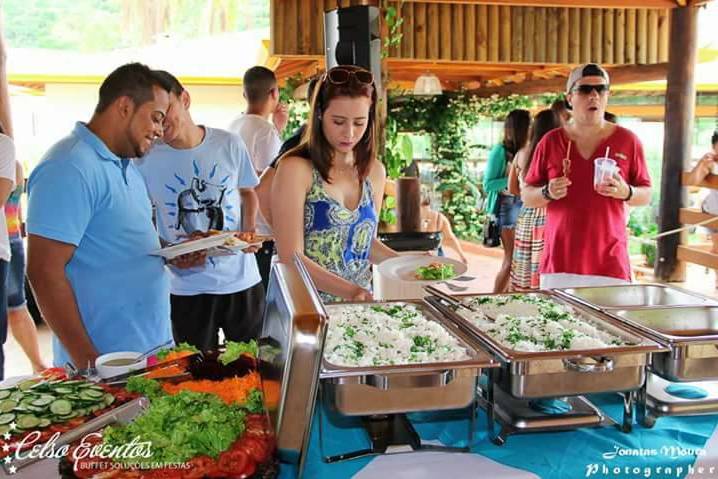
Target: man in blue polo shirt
<point>90,227</point>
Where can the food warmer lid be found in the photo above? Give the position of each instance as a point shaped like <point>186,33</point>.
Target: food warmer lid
<point>290,354</point>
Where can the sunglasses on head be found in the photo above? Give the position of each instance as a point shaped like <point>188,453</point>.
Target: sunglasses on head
<point>587,89</point>
<point>341,76</point>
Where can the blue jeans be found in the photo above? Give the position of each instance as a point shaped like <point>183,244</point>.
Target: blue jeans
<point>16,276</point>
<point>509,208</point>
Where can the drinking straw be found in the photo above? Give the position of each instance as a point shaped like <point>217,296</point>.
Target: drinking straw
<point>567,160</point>
<point>608,148</point>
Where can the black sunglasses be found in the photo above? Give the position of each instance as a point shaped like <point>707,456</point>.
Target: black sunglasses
<point>342,76</point>
<point>587,89</point>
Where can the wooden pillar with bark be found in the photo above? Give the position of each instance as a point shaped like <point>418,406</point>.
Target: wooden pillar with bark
<point>680,106</point>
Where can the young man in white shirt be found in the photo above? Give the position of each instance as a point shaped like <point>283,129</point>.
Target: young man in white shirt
<point>262,138</point>
<point>202,179</point>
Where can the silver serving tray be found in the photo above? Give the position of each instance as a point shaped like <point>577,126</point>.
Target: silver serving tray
<point>361,391</point>
<point>634,296</point>
<point>571,372</point>
<point>663,404</point>
<point>691,334</point>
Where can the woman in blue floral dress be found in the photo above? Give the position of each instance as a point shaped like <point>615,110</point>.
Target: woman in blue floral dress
<point>327,191</point>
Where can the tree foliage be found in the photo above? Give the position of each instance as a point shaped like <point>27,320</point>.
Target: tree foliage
<point>101,25</point>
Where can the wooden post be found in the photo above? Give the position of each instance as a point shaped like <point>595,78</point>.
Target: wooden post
<point>445,16</point>
<point>407,28</point>
<point>552,36</point>
<point>482,36</point>
<point>529,28</point>
<point>586,35</point>
<point>305,37</point>
<point>608,31</point>
<point>652,36</point>
<point>517,34</point>
<point>540,35</point>
<point>630,36</point>
<point>664,35</point>
<point>408,202</point>
<point>680,106</point>
<point>597,35</point>
<point>620,38</point>
<point>494,34</point>
<point>318,34</point>
<point>642,36</point>
<point>457,31</point>
<point>432,27</point>
<point>564,27</point>
<point>470,32</point>
<point>421,31</point>
<point>574,37</point>
<point>505,28</point>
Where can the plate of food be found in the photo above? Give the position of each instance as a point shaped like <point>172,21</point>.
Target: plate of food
<point>193,245</point>
<point>422,268</point>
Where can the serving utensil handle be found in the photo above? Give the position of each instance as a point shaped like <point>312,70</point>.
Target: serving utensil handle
<point>602,365</point>
<point>426,380</point>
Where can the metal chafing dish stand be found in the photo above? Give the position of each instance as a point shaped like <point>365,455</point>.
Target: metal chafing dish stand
<point>526,376</point>
<point>291,354</point>
<point>686,323</point>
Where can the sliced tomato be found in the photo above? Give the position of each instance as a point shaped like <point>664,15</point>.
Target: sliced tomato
<point>257,448</point>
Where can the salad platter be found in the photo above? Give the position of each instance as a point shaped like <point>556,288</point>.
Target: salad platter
<point>423,269</point>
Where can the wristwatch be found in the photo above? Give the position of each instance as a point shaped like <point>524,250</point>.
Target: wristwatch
<point>545,192</point>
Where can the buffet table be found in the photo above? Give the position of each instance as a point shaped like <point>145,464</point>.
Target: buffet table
<point>666,451</point>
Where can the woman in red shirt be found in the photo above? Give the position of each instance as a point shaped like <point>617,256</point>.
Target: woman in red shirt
<point>586,226</point>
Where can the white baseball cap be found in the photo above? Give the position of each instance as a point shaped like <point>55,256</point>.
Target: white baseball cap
<point>585,70</point>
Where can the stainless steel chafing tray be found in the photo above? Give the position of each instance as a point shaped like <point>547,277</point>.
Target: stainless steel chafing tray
<point>634,296</point>
<point>690,332</point>
<point>405,388</point>
<point>290,351</point>
<point>571,372</point>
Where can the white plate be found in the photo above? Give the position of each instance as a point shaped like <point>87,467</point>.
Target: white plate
<point>192,245</point>
<point>403,268</point>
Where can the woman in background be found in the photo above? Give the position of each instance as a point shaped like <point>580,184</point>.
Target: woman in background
<point>21,323</point>
<point>499,200</point>
<point>528,243</point>
<point>432,221</point>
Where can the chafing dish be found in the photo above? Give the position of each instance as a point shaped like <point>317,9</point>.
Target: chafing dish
<point>291,361</point>
<point>548,374</point>
<point>359,391</point>
<point>634,296</point>
<point>290,351</point>
<point>691,334</point>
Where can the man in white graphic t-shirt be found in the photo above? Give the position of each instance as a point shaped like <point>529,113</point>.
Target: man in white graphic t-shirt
<point>201,179</point>
<point>262,138</point>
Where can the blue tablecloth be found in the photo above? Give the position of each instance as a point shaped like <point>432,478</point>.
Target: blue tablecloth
<point>665,451</point>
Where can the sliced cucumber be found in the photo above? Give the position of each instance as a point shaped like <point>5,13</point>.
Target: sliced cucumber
<point>44,422</point>
<point>43,400</point>
<point>109,399</point>
<point>5,393</point>
<point>92,393</point>
<point>26,385</point>
<point>7,418</point>
<point>64,390</point>
<point>27,421</point>
<point>7,405</point>
<point>61,407</point>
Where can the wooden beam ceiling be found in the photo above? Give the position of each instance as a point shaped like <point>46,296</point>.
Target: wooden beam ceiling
<point>572,3</point>
<point>623,74</point>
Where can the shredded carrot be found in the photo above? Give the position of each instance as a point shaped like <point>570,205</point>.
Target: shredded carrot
<point>233,390</point>
<point>169,371</point>
<point>176,355</point>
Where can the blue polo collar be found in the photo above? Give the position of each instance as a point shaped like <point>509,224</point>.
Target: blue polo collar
<point>84,134</point>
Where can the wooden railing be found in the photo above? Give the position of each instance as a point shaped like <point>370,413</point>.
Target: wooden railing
<point>698,254</point>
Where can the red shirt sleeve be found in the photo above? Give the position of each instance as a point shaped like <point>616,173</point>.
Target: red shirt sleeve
<point>639,170</point>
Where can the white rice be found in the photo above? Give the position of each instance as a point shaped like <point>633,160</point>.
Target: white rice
<point>368,335</point>
<point>531,324</point>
